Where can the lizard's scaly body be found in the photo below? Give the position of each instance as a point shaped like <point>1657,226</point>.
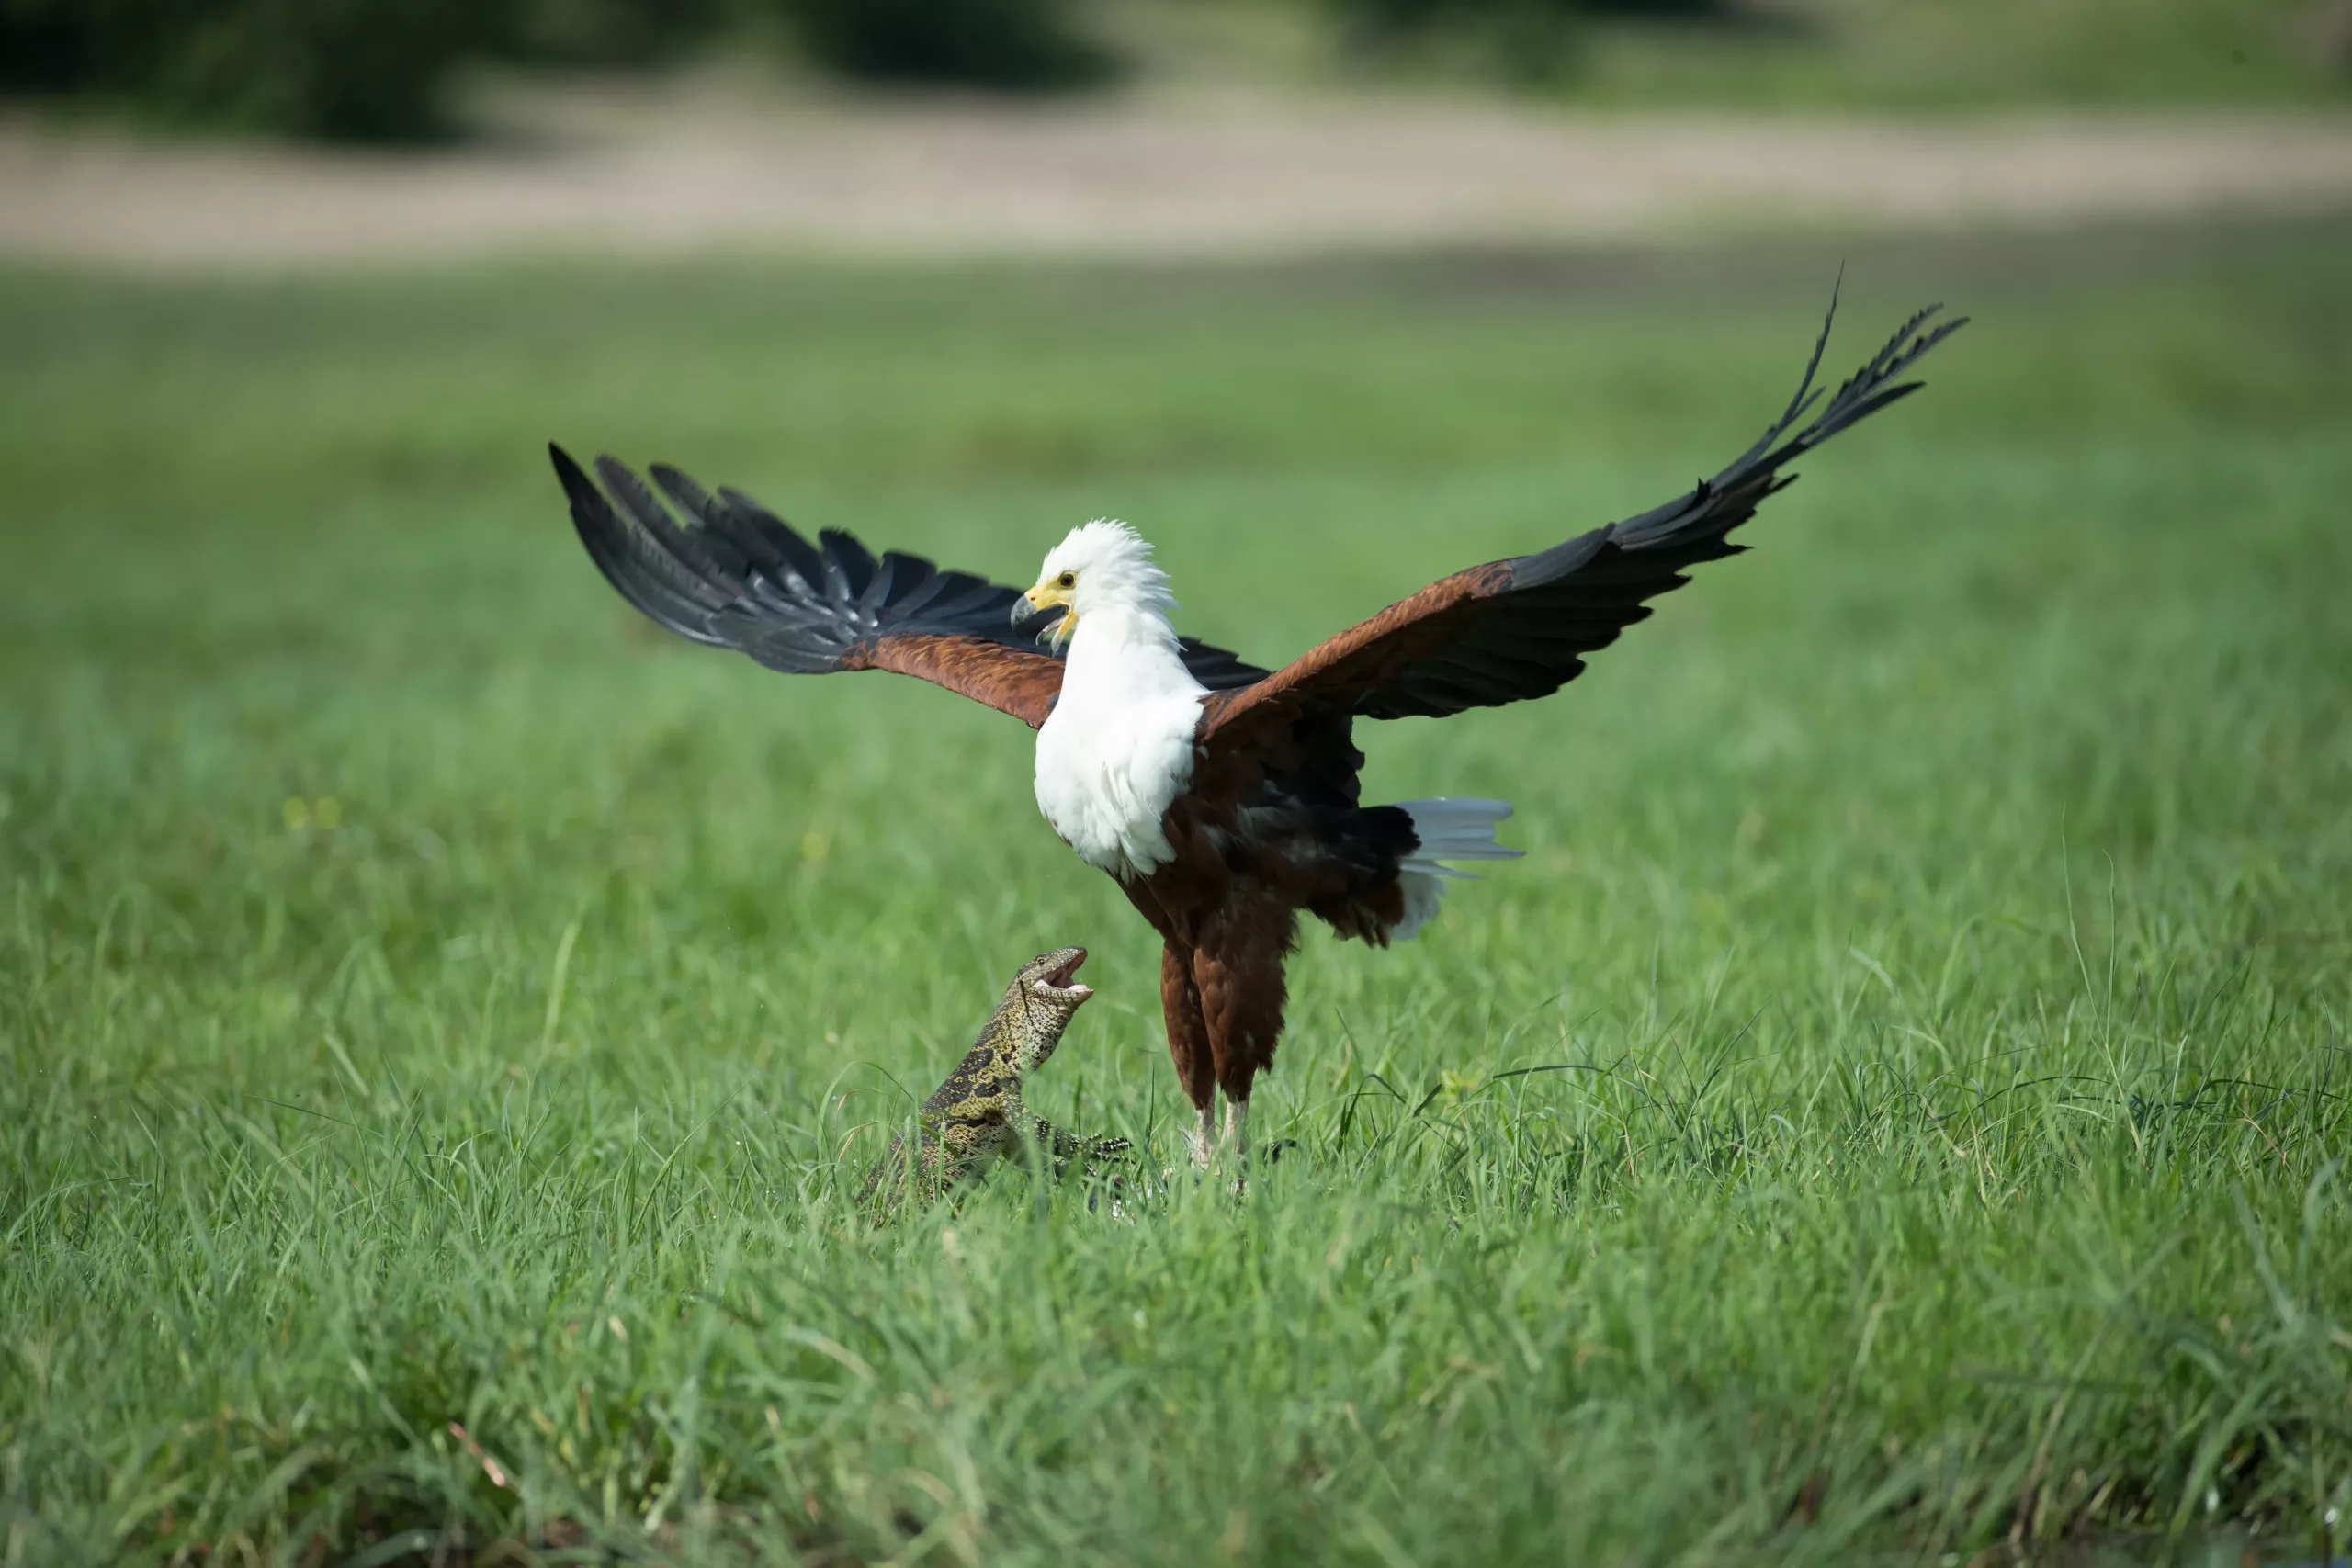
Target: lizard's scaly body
<point>977,1117</point>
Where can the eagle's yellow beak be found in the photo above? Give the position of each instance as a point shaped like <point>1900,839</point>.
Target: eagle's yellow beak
<point>1046,596</point>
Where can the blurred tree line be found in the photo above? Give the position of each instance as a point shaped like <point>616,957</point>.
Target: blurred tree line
<point>377,70</point>
<point>1527,41</point>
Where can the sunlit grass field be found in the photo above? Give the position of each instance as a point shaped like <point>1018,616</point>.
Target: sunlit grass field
<point>1894,1110</point>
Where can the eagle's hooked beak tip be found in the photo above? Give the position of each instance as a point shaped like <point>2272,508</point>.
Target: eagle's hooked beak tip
<point>1035,603</point>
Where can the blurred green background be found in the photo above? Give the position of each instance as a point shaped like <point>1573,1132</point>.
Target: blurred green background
<point>391,69</point>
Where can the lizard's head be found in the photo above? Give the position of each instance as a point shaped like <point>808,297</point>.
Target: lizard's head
<point>1039,1004</point>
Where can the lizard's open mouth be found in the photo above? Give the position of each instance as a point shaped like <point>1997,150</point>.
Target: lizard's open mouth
<point>1063,982</point>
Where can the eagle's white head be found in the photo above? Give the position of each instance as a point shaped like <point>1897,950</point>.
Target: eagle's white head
<point>1103,569</point>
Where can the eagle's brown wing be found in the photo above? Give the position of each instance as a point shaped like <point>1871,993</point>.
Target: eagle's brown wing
<point>742,578</point>
<point>1519,628</point>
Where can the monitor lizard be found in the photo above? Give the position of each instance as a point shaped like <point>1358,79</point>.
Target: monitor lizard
<point>977,1117</point>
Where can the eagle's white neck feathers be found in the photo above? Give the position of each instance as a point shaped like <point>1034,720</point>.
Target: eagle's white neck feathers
<point>1118,749</point>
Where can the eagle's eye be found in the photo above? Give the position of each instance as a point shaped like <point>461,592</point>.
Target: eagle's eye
<point>1067,580</point>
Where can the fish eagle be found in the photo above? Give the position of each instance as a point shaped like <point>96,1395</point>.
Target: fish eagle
<point>1223,797</point>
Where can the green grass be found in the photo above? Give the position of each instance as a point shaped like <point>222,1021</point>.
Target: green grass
<point>1895,1109</point>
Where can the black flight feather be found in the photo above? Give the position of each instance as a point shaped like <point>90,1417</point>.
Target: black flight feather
<point>1558,605</point>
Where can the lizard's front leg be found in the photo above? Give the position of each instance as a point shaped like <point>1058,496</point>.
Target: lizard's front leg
<point>1063,1148</point>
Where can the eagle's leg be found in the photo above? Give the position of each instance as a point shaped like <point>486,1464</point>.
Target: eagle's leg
<point>1238,966</point>
<point>1188,1045</point>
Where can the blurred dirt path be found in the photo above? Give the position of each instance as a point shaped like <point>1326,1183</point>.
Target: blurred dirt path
<point>649,172</point>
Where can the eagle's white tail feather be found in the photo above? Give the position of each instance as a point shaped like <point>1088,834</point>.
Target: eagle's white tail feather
<point>1448,829</point>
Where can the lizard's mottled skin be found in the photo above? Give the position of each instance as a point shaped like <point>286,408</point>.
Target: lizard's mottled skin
<point>977,1117</point>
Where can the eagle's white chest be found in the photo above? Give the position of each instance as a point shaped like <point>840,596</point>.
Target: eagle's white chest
<point>1118,749</point>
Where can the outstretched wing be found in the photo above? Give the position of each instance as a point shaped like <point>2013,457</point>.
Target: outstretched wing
<point>1519,628</point>
<point>739,577</point>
